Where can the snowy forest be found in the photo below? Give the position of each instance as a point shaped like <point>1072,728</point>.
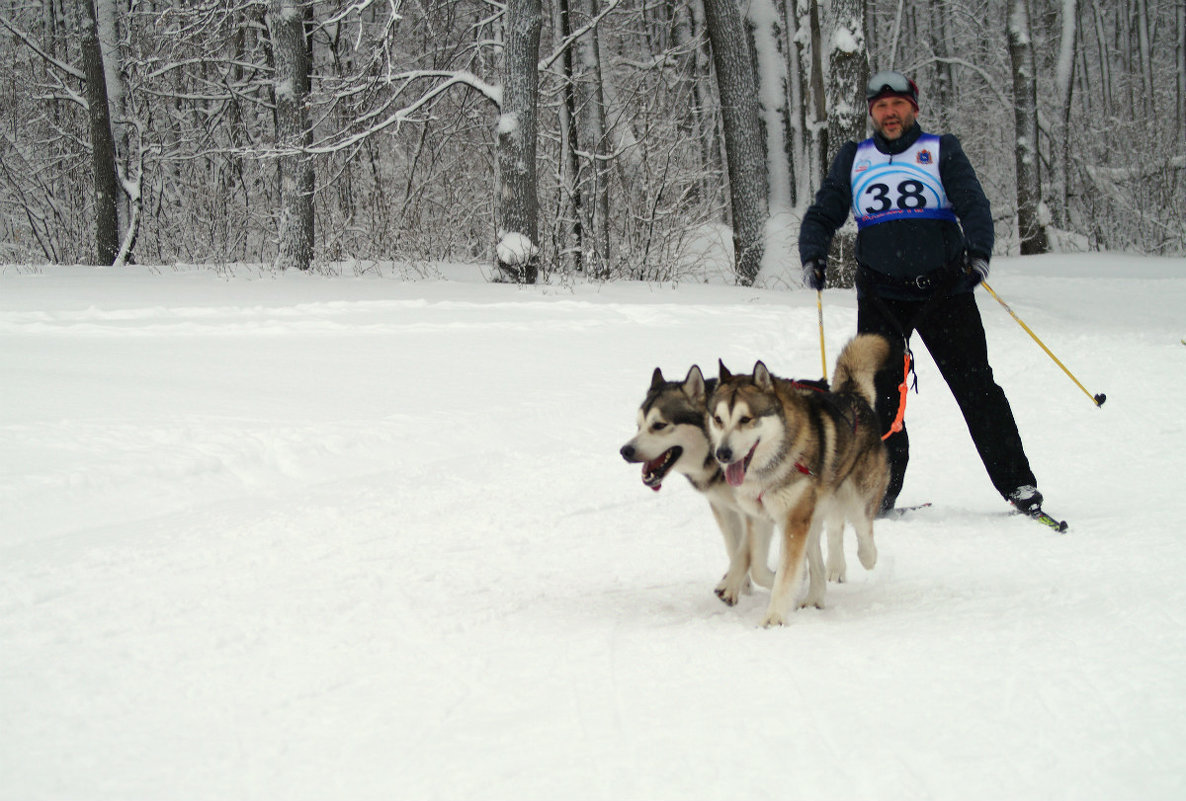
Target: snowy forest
<point>589,137</point>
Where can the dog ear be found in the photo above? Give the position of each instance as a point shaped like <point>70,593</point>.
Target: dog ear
<point>722,371</point>
<point>694,384</point>
<point>762,377</point>
<point>657,379</point>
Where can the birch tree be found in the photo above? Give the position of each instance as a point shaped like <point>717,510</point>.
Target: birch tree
<point>126,132</point>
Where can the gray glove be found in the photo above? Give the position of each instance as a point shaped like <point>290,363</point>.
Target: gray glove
<point>814,273</point>
<point>978,268</point>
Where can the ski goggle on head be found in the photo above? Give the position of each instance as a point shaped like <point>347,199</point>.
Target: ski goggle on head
<point>888,82</point>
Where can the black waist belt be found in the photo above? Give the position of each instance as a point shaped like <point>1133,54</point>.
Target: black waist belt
<point>936,279</point>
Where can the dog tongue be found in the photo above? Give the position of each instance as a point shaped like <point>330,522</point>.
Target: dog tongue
<point>648,470</point>
<point>735,473</point>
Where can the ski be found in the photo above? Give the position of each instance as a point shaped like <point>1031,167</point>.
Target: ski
<point>1038,514</point>
<point>1042,517</point>
<point>899,511</point>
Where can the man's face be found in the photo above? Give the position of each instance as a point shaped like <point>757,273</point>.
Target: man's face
<point>892,116</point>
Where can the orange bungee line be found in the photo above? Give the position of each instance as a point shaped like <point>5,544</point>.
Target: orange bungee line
<point>896,426</point>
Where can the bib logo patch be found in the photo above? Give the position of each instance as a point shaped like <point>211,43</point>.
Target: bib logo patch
<point>924,157</point>
<point>861,165</point>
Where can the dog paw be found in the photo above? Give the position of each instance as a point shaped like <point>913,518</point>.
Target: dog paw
<point>730,595</point>
<point>868,555</point>
<point>731,591</point>
<point>814,598</point>
<point>837,572</point>
<point>773,619</point>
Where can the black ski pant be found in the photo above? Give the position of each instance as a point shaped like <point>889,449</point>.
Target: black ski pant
<point>953,333</point>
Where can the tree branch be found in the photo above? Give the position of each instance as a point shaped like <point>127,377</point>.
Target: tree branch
<point>36,48</point>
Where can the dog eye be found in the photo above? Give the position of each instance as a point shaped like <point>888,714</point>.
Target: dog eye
<point>716,419</point>
<point>658,426</point>
<point>745,420</point>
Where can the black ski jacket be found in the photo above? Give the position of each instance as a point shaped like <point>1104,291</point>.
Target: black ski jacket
<point>893,254</point>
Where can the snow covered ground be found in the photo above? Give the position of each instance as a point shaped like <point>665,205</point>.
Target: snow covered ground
<point>302,537</point>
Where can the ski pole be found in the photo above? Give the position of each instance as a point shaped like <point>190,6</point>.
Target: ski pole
<point>819,305</point>
<point>1097,399</point>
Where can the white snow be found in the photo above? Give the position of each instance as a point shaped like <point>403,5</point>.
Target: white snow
<point>508,123</point>
<point>305,537</point>
<point>515,248</point>
<point>844,41</point>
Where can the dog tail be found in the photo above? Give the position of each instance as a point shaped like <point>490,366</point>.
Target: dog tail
<point>860,360</point>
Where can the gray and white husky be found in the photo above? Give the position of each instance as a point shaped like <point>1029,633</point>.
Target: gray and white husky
<point>803,459</point>
<point>673,435</point>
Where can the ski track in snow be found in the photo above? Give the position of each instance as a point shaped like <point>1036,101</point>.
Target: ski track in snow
<point>309,538</point>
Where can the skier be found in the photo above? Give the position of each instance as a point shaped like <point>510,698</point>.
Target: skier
<point>924,240</point>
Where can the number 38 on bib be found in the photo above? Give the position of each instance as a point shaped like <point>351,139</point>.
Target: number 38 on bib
<point>899,187</point>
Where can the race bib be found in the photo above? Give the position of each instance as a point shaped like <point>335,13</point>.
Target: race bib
<point>902,186</point>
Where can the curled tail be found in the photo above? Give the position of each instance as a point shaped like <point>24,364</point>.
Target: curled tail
<point>860,360</point>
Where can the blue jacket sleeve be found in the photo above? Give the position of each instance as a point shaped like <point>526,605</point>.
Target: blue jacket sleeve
<point>967,197</point>
<point>832,204</point>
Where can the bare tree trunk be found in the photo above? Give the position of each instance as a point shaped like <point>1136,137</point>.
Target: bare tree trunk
<point>102,142</point>
<point>743,137</point>
<point>286,21</point>
<point>772,73</point>
<point>518,248</point>
<point>942,94</point>
<point>1146,58</point>
<point>1180,60</point>
<point>1030,226</point>
<point>1064,81</point>
<point>129,160</point>
<point>690,23</point>
<point>819,103</point>
<point>1103,60</point>
<point>107,23</point>
<point>568,236</point>
<point>796,100</point>
<point>848,71</point>
<point>590,114</point>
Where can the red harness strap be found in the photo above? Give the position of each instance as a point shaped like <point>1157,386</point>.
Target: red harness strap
<point>802,468</point>
<point>902,390</point>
